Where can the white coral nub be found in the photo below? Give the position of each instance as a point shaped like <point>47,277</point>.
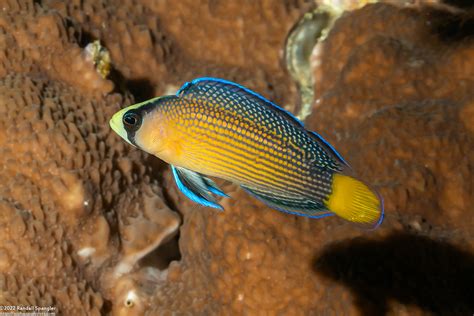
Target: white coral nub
<point>86,252</point>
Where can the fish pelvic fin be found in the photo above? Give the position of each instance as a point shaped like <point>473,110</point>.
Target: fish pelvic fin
<point>197,187</point>
<point>354,201</point>
<point>286,203</point>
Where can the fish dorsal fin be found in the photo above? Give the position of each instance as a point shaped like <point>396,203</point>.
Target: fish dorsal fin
<point>243,102</point>
<point>329,148</point>
<point>197,187</point>
<point>234,95</point>
<point>290,204</point>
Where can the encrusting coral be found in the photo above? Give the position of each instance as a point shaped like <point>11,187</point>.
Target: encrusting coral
<point>63,174</point>
<point>414,127</point>
<point>91,225</point>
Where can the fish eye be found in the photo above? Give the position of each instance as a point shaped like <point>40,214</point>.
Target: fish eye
<point>132,121</point>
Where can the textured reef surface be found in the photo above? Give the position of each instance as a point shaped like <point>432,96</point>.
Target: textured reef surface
<point>92,226</point>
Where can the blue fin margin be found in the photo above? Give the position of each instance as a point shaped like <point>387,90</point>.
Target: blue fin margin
<point>199,192</point>
<point>213,188</point>
<point>276,107</point>
<point>382,213</point>
<point>253,93</point>
<point>329,146</point>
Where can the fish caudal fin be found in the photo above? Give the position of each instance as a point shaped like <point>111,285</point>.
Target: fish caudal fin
<point>354,201</point>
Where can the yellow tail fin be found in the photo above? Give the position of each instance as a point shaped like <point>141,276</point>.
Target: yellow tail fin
<point>354,201</point>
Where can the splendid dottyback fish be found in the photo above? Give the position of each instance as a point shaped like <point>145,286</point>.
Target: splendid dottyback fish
<point>214,127</point>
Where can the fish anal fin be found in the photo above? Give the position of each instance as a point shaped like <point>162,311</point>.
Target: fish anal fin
<point>289,204</point>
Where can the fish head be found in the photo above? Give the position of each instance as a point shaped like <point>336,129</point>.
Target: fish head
<point>142,125</point>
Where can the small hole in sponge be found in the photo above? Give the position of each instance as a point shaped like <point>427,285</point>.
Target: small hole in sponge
<point>129,303</point>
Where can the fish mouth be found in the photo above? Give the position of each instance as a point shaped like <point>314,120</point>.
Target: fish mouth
<point>114,124</point>
<point>117,126</point>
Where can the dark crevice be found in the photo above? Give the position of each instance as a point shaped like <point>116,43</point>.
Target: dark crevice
<point>84,38</point>
<point>106,308</point>
<point>75,31</point>
<point>161,257</point>
<point>141,89</point>
<point>411,269</point>
<point>463,4</point>
<point>452,27</point>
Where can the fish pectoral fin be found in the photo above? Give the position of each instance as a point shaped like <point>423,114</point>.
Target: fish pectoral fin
<point>288,203</point>
<point>197,187</point>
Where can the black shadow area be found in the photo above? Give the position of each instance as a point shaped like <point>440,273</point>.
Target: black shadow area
<point>452,27</point>
<point>410,269</point>
<point>464,4</point>
<point>141,89</point>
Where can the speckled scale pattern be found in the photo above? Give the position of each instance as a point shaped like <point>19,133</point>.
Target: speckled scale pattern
<point>276,120</point>
<point>244,138</point>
